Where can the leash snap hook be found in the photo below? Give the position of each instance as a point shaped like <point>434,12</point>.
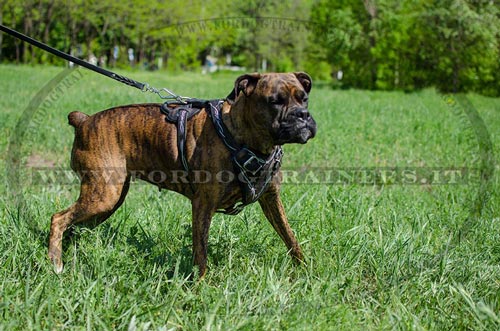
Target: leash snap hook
<point>164,93</point>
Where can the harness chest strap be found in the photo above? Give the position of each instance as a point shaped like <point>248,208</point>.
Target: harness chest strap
<point>254,172</point>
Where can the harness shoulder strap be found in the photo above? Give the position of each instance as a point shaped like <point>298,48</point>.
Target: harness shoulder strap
<point>179,114</point>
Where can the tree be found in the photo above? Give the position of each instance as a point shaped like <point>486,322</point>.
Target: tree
<point>340,40</point>
<point>1,34</point>
<point>271,36</point>
<point>377,44</point>
<point>387,44</point>
<point>461,42</point>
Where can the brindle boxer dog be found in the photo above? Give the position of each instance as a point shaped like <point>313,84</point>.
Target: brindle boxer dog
<point>263,111</point>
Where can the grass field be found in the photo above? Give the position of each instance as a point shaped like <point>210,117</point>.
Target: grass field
<point>404,255</point>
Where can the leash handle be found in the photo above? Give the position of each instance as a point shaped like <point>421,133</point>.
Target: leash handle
<point>125,80</point>
<point>56,52</point>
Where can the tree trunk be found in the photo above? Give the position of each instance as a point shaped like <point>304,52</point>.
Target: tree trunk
<point>48,21</point>
<point>1,34</point>
<point>18,51</point>
<point>456,68</point>
<point>27,22</point>
<point>27,49</point>
<point>140,53</point>
<point>371,8</point>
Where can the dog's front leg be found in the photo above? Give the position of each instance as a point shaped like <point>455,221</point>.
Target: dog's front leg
<point>202,217</point>
<point>272,207</point>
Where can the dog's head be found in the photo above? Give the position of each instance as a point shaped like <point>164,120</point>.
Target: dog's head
<point>278,103</point>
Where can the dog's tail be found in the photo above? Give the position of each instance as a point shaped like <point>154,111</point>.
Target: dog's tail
<point>76,118</point>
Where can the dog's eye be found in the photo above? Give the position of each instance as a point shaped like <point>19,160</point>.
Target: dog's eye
<point>302,97</point>
<point>277,101</point>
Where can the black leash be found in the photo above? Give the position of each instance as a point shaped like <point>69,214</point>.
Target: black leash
<point>144,87</point>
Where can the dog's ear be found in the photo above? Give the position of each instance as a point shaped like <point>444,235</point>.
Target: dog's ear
<point>305,80</point>
<point>246,84</point>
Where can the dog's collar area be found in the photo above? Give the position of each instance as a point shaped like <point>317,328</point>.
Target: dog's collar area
<point>253,170</point>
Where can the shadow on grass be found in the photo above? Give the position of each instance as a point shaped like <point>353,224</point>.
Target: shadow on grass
<point>178,263</point>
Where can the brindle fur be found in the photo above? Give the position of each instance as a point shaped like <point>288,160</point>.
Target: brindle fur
<point>136,141</point>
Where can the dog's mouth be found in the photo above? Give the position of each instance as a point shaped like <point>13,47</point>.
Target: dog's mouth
<point>297,127</point>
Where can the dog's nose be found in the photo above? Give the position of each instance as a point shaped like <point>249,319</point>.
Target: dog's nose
<point>302,113</point>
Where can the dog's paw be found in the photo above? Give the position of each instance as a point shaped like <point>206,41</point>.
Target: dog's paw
<point>56,263</point>
<point>58,269</point>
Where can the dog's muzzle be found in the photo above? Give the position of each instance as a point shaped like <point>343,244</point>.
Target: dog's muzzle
<point>297,127</point>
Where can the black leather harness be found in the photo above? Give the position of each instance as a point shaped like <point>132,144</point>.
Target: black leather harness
<point>254,171</point>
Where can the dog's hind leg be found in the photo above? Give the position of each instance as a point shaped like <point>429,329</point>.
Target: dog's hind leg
<point>99,199</point>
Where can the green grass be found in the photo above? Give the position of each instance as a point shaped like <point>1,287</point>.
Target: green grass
<point>405,257</point>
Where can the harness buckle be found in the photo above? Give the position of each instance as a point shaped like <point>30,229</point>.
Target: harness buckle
<point>252,163</point>
<point>248,161</point>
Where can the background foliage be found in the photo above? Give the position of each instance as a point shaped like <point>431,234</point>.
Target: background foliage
<point>377,44</point>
